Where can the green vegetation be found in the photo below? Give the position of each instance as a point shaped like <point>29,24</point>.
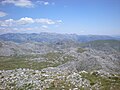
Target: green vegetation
<point>67,58</point>
<point>60,85</point>
<point>13,62</point>
<point>0,44</point>
<point>8,63</point>
<point>28,86</point>
<point>103,44</point>
<point>56,57</point>
<point>52,56</point>
<point>104,83</point>
<point>80,50</point>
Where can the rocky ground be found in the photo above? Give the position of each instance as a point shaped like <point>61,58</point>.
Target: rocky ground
<point>57,79</point>
<point>59,66</point>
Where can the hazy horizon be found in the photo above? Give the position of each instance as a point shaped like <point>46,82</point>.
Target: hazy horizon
<point>82,17</point>
<point>58,33</point>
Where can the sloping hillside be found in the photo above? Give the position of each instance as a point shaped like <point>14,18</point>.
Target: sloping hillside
<point>103,45</point>
<point>64,64</point>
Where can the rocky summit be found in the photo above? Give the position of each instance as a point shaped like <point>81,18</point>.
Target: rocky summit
<point>50,61</point>
<point>57,79</point>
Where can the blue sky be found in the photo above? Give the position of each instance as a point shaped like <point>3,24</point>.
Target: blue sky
<point>100,17</point>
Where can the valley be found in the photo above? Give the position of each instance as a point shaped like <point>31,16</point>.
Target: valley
<point>63,63</point>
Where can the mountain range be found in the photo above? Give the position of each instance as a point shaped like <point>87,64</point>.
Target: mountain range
<point>53,37</point>
<point>76,62</point>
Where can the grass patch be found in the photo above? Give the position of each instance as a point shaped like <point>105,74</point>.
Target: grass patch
<point>22,61</point>
<point>80,50</point>
<point>52,56</point>
<point>60,85</point>
<point>108,83</point>
<point>56,57</point>
<point>9,63</point>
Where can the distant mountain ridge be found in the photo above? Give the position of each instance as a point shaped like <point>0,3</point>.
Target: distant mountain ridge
<point>53,37</point>
<point>103,45</point>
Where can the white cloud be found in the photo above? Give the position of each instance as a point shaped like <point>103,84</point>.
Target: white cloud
<point>45,21</point>
<point>33,29</point>
<point>2,14</point>
<point>42,2</point>
<point>7,23</point>
<point>20,3</point>
<point>44,26</point>
<point>45,3</point>
<point>59,21</point>
<point>27,20</point>
<point>8,30</point>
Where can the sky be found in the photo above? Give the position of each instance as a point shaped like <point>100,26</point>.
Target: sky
<point>84,17</point>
